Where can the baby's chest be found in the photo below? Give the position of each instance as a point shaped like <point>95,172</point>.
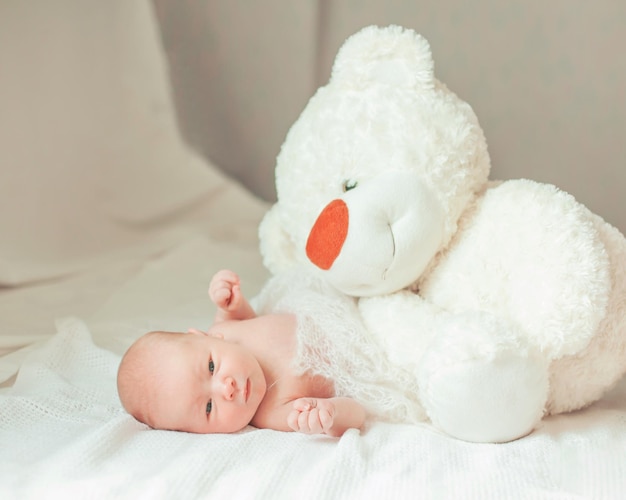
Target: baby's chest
<point>302,386</point>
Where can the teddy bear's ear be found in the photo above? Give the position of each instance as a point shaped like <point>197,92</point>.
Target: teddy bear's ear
<point>276,247</point>
<point>392,55</point>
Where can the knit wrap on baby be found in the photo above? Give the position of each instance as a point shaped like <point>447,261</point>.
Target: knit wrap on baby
<point>333,342</point>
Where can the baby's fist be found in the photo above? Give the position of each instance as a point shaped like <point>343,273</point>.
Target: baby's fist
<point>224,290</point>
<point>311,416</point>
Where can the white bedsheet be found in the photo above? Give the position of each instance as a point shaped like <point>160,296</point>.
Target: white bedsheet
<point>63,433</point>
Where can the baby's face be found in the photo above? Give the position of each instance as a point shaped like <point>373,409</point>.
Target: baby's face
<point>206,385</point>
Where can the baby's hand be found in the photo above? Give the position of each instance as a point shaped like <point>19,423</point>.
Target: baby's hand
<point>311,415</point>
<point>225,290</point>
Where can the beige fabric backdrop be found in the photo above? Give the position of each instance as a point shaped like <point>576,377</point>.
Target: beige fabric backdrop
<point>547,80</point>
<point>91,161</point>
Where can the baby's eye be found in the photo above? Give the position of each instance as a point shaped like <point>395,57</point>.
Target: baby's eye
<point>211,366</point>
<point>209,405</point>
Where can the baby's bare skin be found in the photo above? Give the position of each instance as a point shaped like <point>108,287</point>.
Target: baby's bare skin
<point>237,372</point>
<point>302,403</point>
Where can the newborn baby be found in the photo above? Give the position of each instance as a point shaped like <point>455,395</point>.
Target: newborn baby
<point>236,373</point>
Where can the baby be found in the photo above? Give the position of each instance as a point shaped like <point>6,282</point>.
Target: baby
<point>236,373</point>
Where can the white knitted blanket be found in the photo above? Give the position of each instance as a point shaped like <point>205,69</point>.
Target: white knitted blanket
<point>333,342</point>
<point>63,434</point>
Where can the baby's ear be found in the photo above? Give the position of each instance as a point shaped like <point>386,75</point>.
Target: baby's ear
<point>195,331</point>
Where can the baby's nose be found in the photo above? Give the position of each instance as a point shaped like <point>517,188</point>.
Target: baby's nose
<point>229,388</point>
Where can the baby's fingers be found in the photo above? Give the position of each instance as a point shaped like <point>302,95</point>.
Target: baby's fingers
<point>292,420</point>
<point>235,298</point>
<point>226,275</point>
<point>310,416</point>
<point>221,297</point>
<point>304,404</point>
<point>326,419</point>
<point>311,420</point>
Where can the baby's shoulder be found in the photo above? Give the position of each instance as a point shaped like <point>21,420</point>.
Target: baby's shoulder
<point>274,337</point>
<point>279,324</point>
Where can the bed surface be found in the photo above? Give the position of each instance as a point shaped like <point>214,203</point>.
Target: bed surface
<point>64,433</point>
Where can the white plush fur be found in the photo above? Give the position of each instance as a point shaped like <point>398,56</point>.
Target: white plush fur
<point>507,300</point>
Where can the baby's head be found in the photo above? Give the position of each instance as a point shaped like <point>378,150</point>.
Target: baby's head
<point>190,382</point>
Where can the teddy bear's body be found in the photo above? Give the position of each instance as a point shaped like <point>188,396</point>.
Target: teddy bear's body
<point>497,297</point>
<point>507,300</point>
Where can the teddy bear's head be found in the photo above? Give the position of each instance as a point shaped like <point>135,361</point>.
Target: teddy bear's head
<point>375,173</point>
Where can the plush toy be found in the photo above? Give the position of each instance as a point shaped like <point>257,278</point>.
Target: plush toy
<point>507,300</point>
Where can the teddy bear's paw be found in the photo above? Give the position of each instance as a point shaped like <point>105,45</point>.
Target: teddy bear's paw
<point>494,399</point>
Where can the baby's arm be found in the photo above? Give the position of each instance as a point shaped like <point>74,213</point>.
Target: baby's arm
<point>225,292</point>
<point>332,416</point>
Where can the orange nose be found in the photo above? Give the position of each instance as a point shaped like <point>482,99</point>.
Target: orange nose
<point>328,235</point>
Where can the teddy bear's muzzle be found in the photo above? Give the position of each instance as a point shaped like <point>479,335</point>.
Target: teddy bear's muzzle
<point>328,235</point>
<point>378,236</point>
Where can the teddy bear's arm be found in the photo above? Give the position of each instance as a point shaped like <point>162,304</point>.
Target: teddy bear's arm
<point>478,379</point>
<point>402,323</point>
<point>532,255</point>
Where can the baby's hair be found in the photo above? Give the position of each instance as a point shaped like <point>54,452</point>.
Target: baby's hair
<point>137,370</point>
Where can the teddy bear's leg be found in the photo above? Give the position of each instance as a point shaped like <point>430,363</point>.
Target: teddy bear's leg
<point>479,382</point>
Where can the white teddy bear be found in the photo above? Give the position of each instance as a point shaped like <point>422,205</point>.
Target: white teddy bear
<point>506,300</point>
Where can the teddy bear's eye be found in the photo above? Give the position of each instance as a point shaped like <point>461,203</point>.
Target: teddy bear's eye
<point>348,185</point>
